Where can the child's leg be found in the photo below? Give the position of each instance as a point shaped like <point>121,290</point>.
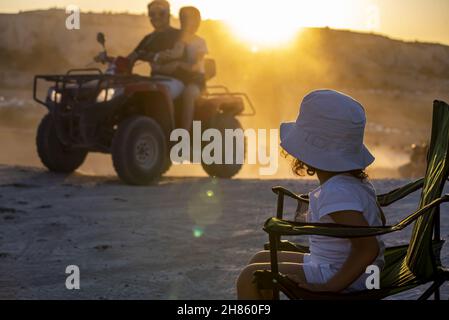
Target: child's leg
<point>247,289</point>
<point>189,96</point>
<point>283,256</point>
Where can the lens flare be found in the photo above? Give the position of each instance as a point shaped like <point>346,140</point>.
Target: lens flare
<point>198,231</point>
<point>205,207</point>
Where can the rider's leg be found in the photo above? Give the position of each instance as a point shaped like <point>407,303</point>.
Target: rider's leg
<point>174,86</point>
<point>189,96</point>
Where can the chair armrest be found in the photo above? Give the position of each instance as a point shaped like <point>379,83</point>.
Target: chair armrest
<point>279,227</point>
<point>300,197</point>
<point>384,199</point>
<point>388,198</point>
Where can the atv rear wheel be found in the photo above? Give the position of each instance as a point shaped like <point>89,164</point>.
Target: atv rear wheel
<point>167,166</point>
<point>139,150</point>
<point>222,122</point>
<point>53,154</point>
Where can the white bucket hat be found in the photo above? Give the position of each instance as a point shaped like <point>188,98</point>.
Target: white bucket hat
<point>328,133</point>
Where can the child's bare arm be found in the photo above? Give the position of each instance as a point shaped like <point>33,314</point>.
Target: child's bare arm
<point>363,252</point>
<point>195,67</point>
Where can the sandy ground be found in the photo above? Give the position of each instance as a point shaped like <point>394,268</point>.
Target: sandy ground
<point>186,237</point>
<point>181,238</point>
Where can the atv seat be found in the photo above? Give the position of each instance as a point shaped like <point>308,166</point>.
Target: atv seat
<point>210,69</point>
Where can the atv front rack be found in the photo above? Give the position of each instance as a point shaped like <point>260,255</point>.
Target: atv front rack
<point>70,104</point>
<point>79,78</point>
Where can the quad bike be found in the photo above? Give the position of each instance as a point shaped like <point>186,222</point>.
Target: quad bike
<point>417,165</point>
<point>128,116</point>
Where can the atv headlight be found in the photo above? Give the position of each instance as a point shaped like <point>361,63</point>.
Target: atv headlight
<point>108,94</point>
<point>55,96</point>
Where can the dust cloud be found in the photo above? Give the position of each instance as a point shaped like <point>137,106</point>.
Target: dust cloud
<point>394,80</point>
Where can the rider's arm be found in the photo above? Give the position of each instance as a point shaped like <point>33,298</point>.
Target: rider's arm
<point>175,53</point>
<point>146,56</point>
<point>166,69</point>
<point>143,50</point>
<point>141,55</point>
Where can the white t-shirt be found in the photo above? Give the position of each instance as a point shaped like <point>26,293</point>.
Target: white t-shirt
<point>195,47</point>
<point>341,192</point>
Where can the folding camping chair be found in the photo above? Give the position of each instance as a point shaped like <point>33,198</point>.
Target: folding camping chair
<point>406,266</point>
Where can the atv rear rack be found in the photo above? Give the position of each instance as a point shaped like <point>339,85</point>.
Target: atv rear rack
<point>225,92</point>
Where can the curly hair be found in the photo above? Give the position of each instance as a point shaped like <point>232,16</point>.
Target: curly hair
<point>300,169</point>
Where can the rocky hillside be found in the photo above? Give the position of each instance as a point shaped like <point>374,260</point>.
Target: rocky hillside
<point>38,41</point>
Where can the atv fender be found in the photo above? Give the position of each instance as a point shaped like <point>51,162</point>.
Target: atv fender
<point>151,100</point>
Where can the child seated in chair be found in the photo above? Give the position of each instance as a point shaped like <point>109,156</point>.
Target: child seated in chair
<point>327,140</point>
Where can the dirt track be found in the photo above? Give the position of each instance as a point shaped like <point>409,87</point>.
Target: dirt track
<point>182,238</point>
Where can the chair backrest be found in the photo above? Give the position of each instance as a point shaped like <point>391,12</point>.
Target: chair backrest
<point>420,259</point>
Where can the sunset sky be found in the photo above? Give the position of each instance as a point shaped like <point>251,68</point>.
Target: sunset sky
<point>263,21</point>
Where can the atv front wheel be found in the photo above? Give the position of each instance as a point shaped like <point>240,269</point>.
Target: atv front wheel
<point>53,154</point>
<point>139,150</point>
<point>226,171</point>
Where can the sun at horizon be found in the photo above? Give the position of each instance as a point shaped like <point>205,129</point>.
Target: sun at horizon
<point>264,23</point>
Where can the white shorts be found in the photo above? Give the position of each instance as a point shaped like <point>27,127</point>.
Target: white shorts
<point>174,86</point>
<point>322,273</point>
<point>316,273</point>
